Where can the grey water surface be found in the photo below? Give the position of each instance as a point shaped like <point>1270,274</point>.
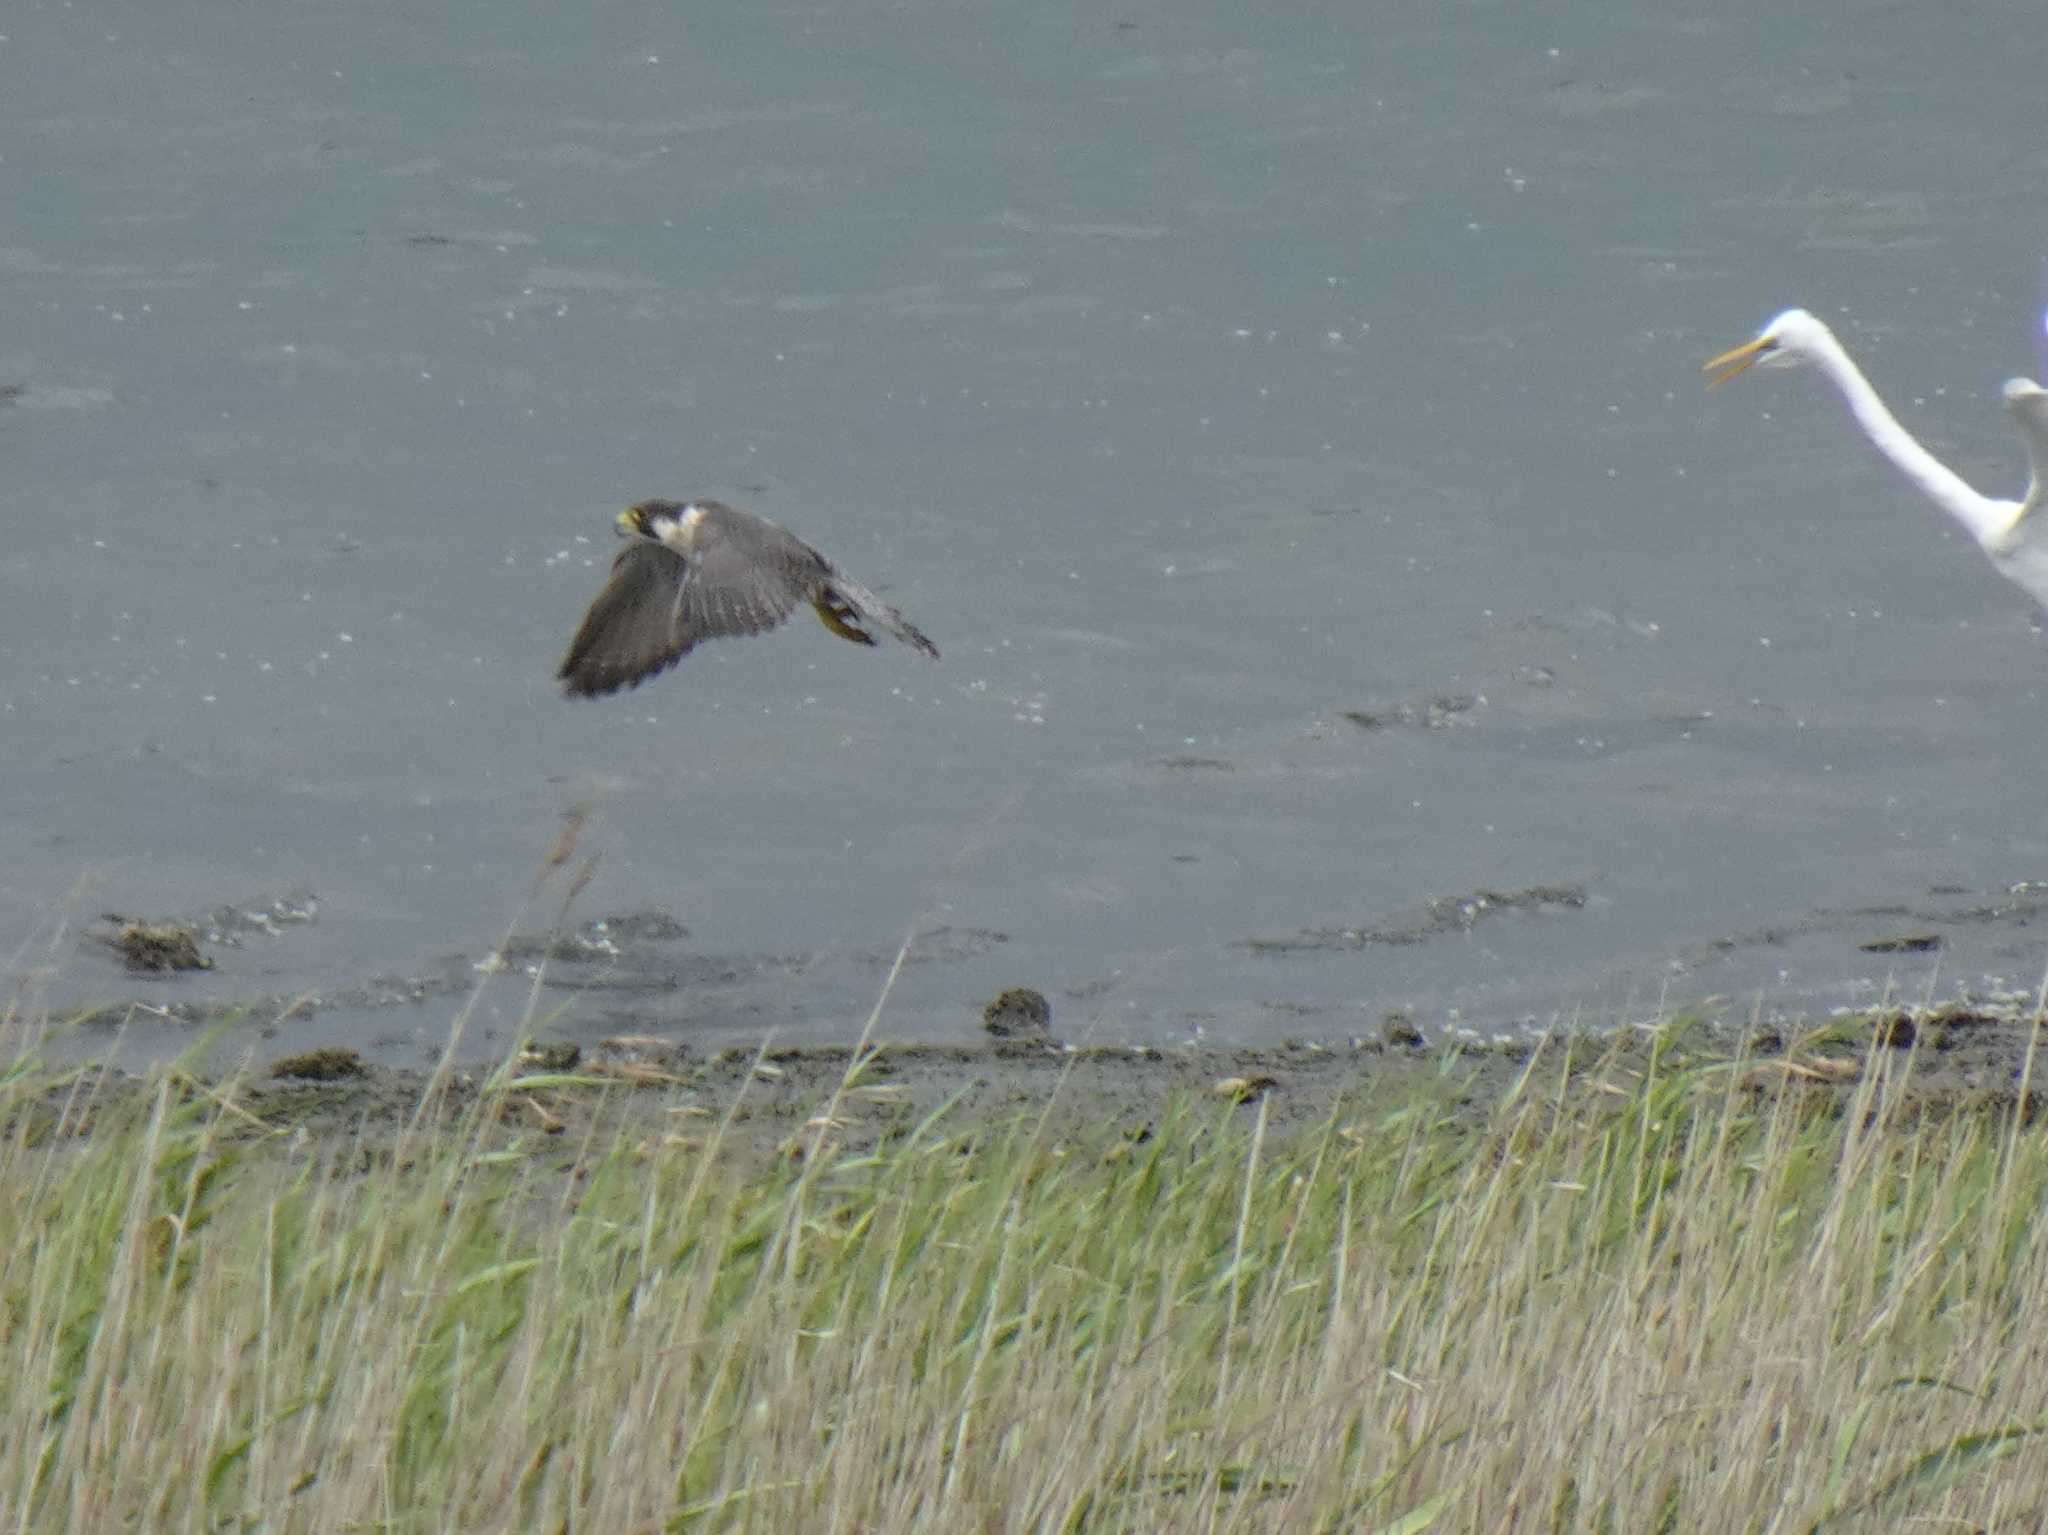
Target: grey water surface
<point>1287,421</point>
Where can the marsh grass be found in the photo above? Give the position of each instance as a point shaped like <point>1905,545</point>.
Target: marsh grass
<point>1652,1291</point>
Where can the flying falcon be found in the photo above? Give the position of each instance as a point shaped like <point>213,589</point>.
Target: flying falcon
<point>696,570</point>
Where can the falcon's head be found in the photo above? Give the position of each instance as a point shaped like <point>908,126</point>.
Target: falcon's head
<point>649,519</point>
<point>665,522</point>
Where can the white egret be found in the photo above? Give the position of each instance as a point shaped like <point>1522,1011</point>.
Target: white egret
<point>2010,532</point>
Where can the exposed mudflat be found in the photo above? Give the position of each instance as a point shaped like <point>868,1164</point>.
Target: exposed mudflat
<point>785,1101</point>
<point>168,984</point>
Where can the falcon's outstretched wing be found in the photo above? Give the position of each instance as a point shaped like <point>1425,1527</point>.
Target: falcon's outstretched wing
<point>632,630</point>
<point>746,576</point>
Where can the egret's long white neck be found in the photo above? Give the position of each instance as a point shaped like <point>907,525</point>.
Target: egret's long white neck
<point>1986,519</point>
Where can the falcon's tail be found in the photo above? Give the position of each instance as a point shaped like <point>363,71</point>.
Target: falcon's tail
<point>845,604</point>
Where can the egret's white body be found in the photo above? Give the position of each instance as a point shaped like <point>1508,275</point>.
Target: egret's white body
<point>2009,532</point>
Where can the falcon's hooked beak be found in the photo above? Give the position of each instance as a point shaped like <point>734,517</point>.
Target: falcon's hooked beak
<point>1735,359</point>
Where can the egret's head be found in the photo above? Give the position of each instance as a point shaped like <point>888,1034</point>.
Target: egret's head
<point>1788,340</point>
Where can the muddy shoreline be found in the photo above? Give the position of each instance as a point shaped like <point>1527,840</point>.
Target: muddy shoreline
<point>786,1101</point>
<point>253,978</point>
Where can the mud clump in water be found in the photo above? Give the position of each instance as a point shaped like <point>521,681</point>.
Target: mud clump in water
<point>550,1057</point>
<point>1444,916</point>
<point>1902,943</point>
<point>156,948</point>
<point>333,1064</point>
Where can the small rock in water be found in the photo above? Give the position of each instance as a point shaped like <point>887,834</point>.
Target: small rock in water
<point>1018,1013</point>
<point>1397,1028</point>
<point>1896,1032</point>
<point>1244,1089</point>
<point>550,1057</point>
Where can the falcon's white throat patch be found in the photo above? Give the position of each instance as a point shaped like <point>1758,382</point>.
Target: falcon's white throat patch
<point>678,532</point>
<point>681,534</point>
